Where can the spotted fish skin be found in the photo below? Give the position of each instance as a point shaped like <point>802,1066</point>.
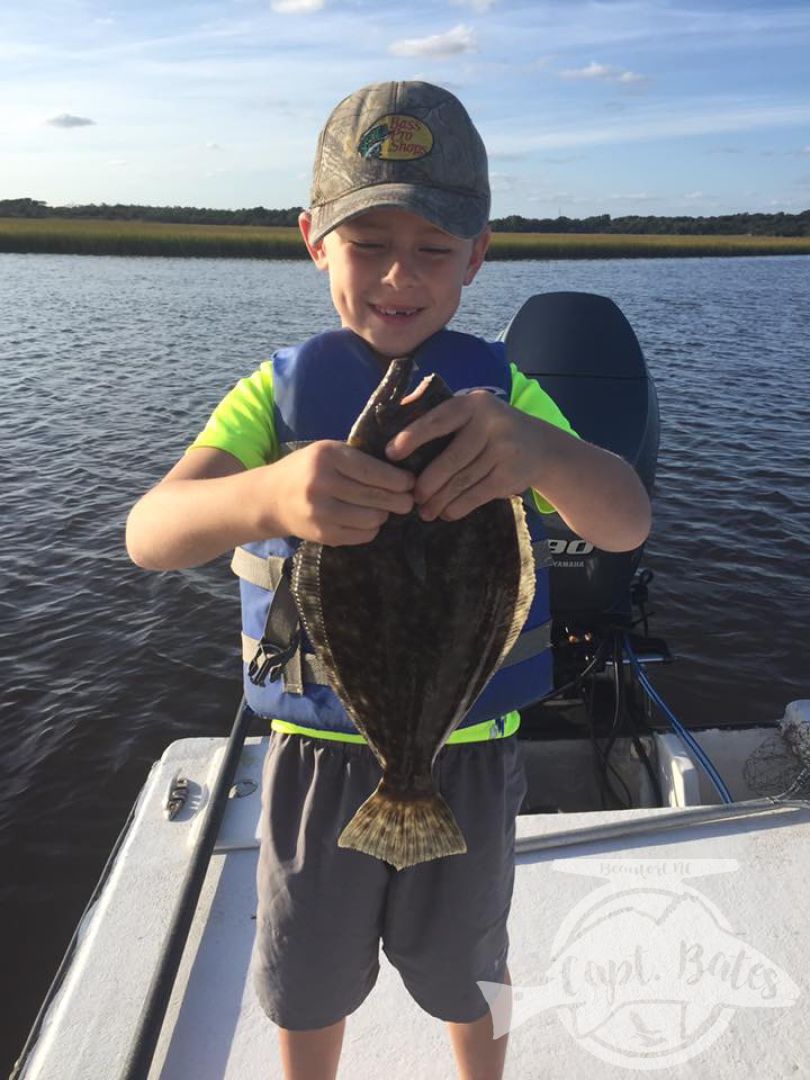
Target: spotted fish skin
<point>410,628</point>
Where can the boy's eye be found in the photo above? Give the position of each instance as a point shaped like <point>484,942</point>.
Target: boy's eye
<point>365,245</point>
<point>432,250</point>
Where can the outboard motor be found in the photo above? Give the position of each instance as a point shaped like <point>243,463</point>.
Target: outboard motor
<point>584,353</point>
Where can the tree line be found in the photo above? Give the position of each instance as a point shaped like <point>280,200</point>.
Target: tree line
<point>776,224</point>
<point>180,215</point>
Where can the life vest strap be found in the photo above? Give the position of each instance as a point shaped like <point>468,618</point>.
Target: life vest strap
<point>278,654</point>
<point>311,669</point>
<point>264,573</point>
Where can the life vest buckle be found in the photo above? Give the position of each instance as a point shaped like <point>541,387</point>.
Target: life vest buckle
<point>271,659</point>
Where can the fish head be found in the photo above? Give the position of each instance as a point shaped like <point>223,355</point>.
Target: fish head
<point>385,414</point>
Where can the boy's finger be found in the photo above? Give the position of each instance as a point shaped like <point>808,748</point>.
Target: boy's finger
<point>443,420</point>
<point>452,466</point>
<point>471,499</point>
<point>459,508</point>
<point>365,469</point>
<point>353,516</point>
<point>459,486</point>
<point>341,535</point>
<point>354,493</point>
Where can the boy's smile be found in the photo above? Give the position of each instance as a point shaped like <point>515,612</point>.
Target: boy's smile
<point>395,279</point>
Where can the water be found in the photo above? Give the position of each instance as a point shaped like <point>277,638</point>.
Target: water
<point>110,366</point>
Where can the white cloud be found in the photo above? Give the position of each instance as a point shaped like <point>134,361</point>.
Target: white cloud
<point>460,39</point>
<point>118,163</point>
<point>66,120</point>
<point>477,5</point>
<point>592,71</point>
<point>604,72</point>
<point>212,146</point>
<point>628,77</point>
<point>296,7</point>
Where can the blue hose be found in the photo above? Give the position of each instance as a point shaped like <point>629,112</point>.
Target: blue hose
<point>676,725</point>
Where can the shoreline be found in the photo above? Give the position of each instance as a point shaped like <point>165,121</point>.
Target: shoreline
<point>67,236</point>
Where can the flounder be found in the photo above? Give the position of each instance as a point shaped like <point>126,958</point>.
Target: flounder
<point>410,627</point>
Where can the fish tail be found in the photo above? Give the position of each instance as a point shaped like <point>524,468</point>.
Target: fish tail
<point>404,832</point>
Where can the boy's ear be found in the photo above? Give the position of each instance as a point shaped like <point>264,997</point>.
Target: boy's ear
<point>316,251</point>
<point>479,250</point>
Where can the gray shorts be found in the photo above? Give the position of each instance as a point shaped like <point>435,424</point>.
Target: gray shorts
<point>323,910</point>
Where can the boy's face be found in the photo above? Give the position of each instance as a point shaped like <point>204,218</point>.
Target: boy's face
<point>395,278</point>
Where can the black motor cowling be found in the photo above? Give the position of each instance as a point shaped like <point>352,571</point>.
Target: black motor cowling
<point>584,353</point>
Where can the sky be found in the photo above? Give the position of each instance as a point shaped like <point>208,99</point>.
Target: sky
<point>616,106</point>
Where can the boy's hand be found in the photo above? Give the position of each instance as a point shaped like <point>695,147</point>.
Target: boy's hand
<point>334,494</point>
<point>498,451</point>
<point>493,455</point>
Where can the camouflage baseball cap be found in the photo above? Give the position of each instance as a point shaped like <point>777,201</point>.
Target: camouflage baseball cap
<point>409,145</point>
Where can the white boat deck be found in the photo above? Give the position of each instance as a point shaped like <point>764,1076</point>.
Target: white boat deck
<point>685,952</point>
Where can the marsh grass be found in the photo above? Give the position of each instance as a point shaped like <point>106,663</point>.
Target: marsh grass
<point>95,237</point>
<point>629,246</point>
<point>65,236</point>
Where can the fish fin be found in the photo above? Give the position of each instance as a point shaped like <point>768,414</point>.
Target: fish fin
<point>404,832</point>
<point>498,633</point>
<point>526,582</point>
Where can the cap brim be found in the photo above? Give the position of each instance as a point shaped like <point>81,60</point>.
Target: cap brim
<point>460,215</point>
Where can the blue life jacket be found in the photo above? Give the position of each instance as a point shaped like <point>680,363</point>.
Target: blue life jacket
<point>319,389</point>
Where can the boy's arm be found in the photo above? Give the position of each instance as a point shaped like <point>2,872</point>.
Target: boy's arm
<point>209,503</point>
<point>200,509</point>
<point>500,451</point>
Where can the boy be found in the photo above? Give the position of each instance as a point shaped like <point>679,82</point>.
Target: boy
<point>398,219</point>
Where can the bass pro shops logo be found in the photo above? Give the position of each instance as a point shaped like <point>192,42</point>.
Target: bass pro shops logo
<point>396,137</point>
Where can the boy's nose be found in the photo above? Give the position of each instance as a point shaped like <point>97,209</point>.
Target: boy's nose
<point>401,271</point>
